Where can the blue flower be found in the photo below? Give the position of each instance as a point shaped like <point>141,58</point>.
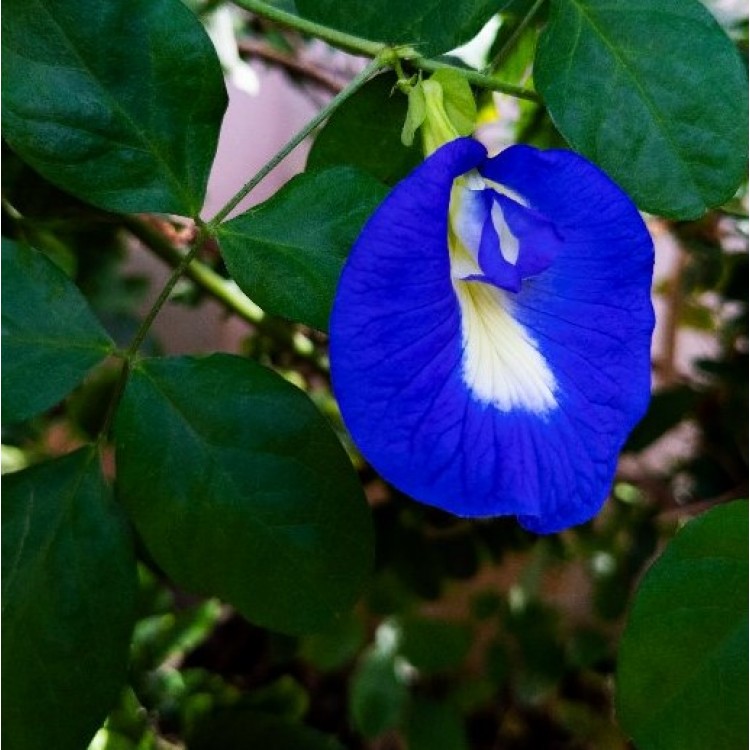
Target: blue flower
<point>490,337</point>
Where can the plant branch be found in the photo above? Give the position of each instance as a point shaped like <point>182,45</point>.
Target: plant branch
<point>251,48</point>
<point>223,290</point>
<point>474,77</point>
<point>354,85</point>
<point>180,268</point>
<point>514,37</point>
<point>675,303</point>
<point>349,42</point>
<point>389,56</point>
<point>130,353</point>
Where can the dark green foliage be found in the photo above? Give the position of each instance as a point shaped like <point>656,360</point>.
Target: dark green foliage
<point>431,27</point>
<point>119,103</point>
<point>628,86</point>
<point>378,693</point>
<point>252,515</point>
<point>50,337</point>
<point>258,620</point>
<point>68,603</point>
<point>681,675</point>
<point>432,726</point>
<point>238,730</point>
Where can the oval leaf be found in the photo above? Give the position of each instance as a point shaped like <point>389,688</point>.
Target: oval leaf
<point>69,586</point>
<point>264,511</point>
<point>430,26</point>
<point>682,667</point>
<point>51,339</point>
<point>119,103</point>
<point>366,133</point>
<point>287,254</point>
<point>654,92</point>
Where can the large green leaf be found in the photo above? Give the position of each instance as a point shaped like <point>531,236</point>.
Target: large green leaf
<point>682,667</point>
<point>117,102</point>
<point>654,92</point>
<point>430,26</point>
<point>50,336</point>
<point>287,253</point>
<point>366,133</point>
<point>240,489</point>
<point>69,585</point>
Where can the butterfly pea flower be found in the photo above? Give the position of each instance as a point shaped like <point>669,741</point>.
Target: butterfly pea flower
<point>490,336</point>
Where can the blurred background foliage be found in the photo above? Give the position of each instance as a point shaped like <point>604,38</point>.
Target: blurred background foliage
<point>470,634</point>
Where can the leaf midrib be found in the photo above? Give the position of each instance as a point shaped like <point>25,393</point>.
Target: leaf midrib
<point>142,135</point>
<point>645,97</point>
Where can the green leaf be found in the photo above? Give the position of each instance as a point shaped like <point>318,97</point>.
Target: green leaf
<point>119,103</point>
<point>654,92</point>
<point>287,253</point>
<point>682,666</point>
<point>50,336</point>
<point>430,26</point>
<point>242,729</point>
<point>69,586</point>
<point>365,132</point>
<point>260,505</point>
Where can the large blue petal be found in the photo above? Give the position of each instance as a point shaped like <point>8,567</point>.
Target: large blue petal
<point>546,448</point>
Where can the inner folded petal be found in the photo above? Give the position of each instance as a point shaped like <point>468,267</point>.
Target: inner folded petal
<point>494,237</point>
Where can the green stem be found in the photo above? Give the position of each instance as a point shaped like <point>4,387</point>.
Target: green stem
<point>225,291</point>
<point>129,354</point>
<point>119,389</point>
<point>348,42</point>
<point>388,56</point>
<point>475,78</point>
<point>514,37</point>
<point>206,278</point>
<point>354,85</point>
<point>145,325</point>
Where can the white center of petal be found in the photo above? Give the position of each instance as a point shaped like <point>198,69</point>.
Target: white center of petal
<point>502,365</point>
